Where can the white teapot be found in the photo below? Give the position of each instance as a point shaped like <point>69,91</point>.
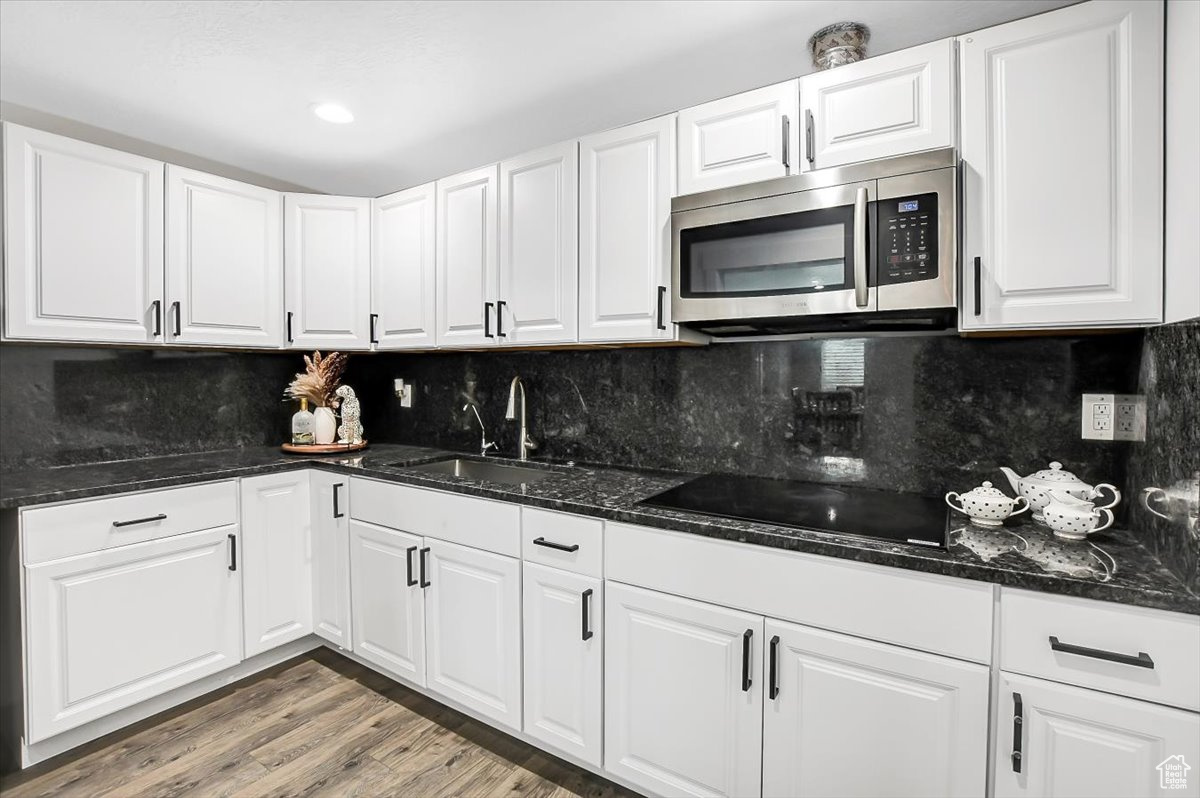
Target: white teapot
<point>1074,519</point>
<point>986,505</point>
<point>1036,488</point>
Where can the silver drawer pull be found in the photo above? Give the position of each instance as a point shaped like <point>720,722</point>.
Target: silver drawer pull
<point>1142,660</point>
<point>149,520</point>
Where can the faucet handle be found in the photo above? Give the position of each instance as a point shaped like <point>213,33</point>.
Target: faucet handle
<point>530,443</point>
<point>485,444</point>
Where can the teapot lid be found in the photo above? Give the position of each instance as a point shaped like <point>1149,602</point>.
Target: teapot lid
<point>1055,473</point>
<point>986,491</point>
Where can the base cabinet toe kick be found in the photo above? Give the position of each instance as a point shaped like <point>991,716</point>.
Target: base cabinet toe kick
<point>671,663</point>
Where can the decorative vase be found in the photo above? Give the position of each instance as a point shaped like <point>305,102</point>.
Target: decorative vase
<point>324,425</point>
<point>839,44</point>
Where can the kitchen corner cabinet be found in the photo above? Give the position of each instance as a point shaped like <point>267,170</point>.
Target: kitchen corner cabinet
<point>887,105</point>
<point>626,179</point>
<point>745,138</point>
<point>327,271</point>
<point>224,269</point>
<point>834,702</point>
<point>276,560</point>
<point>1062,147</point>
<point>683,694</point>
<point>403,269</point>
<point>473,629</point>
<point>83,241</point>
<point>536,300</point>
<point>387,576</point>
<point>1070,741</point>
<point>467,276</point>
<point>563,622</point>
<point>331,557</point>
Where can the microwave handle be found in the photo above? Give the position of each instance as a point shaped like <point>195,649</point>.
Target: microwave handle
<point>860,248</point>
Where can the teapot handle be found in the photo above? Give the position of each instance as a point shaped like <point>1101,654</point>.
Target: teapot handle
<point>1116,495</point>
<point>1154,494</point>
<point>1108,523</point>
<point>1023,509</point>
<point>952,505</point>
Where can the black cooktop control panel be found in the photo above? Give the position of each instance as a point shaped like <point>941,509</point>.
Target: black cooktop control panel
<point>908,239</point>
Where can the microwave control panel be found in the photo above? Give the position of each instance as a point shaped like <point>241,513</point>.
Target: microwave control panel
<point>908,239</point>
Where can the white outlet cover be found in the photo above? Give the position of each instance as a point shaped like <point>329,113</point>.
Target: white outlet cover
<point>1113,417</point>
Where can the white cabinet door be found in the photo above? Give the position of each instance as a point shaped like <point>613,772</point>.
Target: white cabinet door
<point>473,629</point>
<point>327,266</point>
<point>83,241</point>
<point>740,139</point>
<point>388,604</point>
<point>1082,743</point>
<point>888,105</point>
<point>682,711</point>
<point>625,186</point>
<point>110,629</point>
<point>224,261</point>
<point>331,556</point>
<point>1062,140</point>
<point>467,275</point>
<point>276,560</point>
<point>563,621</point>
<point>403,270</point>
<point>539,252</point>
<point>851,717</point>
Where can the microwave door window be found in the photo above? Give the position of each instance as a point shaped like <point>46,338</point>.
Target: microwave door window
<point>742,259</point>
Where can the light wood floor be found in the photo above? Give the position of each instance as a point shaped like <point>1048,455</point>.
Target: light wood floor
<point>316,725</point>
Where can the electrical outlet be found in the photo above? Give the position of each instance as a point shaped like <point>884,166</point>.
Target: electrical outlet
<point>404,392</point>
<point>1114,417</point>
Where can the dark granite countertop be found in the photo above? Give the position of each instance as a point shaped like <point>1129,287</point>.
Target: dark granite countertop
<point>1109,566</point>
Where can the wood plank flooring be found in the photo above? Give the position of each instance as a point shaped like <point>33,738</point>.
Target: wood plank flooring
<point>317,725</point>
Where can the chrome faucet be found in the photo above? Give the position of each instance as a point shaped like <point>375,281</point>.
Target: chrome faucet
<point>526,444</point>
<point>484,443</point>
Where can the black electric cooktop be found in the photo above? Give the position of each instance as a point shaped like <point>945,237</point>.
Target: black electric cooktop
<point>881,514</point>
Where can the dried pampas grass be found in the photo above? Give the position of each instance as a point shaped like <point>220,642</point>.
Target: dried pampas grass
<point>321,377</point>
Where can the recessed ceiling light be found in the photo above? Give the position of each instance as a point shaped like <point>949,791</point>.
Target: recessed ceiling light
<point>332,112</point>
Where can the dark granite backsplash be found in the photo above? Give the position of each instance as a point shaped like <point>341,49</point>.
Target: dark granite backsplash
<point>923,414</point>
<point>68,405</point>
<point>1170,380</point>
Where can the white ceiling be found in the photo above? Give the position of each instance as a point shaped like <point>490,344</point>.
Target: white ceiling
<point>437,87</point>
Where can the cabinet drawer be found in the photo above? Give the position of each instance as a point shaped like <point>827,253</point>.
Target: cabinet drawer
<point>50,533</point>
<point>545,535</point>
<point>922,611</point>
<point>1157,653</point>
<point>478,523</point>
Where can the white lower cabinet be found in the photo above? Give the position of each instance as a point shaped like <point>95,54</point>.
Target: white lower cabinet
<point>276,561</point>
<point>112,628</point>
<point>683,694</point>
<point>850,717</point>
<point>1054,740</point>
<point>473,629</point>
<point>387,601</point>
<point>331,557</point>
<point>562,623</point>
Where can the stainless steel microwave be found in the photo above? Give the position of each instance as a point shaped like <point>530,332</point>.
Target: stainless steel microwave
<point>869,246</point>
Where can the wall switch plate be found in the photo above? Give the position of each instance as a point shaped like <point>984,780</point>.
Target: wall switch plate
<point>1114,417</point>
<point>403,392</point>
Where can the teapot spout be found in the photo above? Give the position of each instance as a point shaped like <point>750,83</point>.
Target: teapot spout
<point>1013,478</point>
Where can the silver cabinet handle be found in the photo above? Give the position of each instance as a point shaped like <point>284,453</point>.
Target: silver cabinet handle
<point>860,248</point>
<point>809,146</point>
<point>787,126</point>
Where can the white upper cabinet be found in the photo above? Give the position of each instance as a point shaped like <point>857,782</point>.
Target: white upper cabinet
<point>83,241</point>
<point>403,270</point>
<point>1062,143</point>
<point>1056,741</point>
<point>834,702</point>
<point>888,105</point>
<point>224,261</point>
<point>467,274</point>
<point>625,187</point>
<point>740,139</point>
<point>539,200</point>
<point>327,265</point>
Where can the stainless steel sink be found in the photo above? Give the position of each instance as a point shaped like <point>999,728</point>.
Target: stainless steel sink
<point>477,469</point>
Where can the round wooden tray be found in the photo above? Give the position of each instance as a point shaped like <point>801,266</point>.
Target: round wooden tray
<point>323,448</point>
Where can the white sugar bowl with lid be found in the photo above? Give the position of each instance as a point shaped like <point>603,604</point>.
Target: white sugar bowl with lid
<point>987,505</point>
<point>1036,488</point>
<point>1075,519</point>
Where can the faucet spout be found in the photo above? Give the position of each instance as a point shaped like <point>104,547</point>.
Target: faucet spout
<point>484,443</point>
<point>525,443</point>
